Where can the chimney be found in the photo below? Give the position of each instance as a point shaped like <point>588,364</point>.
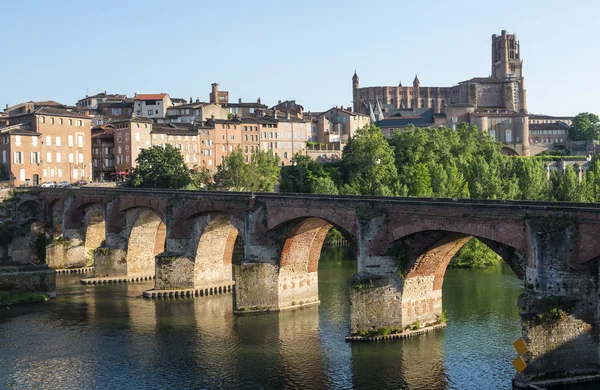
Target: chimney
<point>279,102</point>
<point>274,114</point>
<point>258,100</point>
<point>197,100</point>
<point>239,100</point>
<point>287,115</point>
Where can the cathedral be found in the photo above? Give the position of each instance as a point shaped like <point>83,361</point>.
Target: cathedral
<point>496,104</point>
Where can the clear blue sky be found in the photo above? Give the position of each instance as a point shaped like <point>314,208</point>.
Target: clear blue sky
<point>281,50</point>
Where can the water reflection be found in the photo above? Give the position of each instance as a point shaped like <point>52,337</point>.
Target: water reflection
<point>109,337</point>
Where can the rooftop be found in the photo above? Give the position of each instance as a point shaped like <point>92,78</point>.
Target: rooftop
<point>149,96</point>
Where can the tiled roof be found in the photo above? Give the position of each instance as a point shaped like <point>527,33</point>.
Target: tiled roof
<point>549,126</point>
<point>60,112</point>
<point>149,96</point>
<point>175,129</point>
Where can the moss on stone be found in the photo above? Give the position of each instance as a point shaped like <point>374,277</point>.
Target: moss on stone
<point>7,299</point>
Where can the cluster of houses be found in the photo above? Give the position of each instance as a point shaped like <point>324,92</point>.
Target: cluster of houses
<point>101,136</point>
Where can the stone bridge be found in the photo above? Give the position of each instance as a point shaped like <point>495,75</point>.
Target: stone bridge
<point>403,245</point>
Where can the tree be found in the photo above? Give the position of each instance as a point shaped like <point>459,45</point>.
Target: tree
<point>200,179</point>
<point>585,127</point>
<point>263,172</point>
<point>568,186</point>
<point>324,185</point>
<point>232,172</point>
<point>160,167</point>
<point>369,160</point>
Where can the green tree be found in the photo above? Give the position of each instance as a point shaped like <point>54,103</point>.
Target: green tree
<point>159,167</point>
<point>232,173</point>
<point>585,127</point>
<point>531,175</point>
<point>200,179</point>
<point>263,172</point>
<point>568,186</point>
<point>324,185</point>
<point>418,181</point>
<point>474,254</point>
<point>369,161</point>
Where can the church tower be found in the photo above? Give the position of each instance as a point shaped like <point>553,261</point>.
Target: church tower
<point>416,92</point>
<point>355,95</point>
<point>508,65</point>
<point>506,56</point>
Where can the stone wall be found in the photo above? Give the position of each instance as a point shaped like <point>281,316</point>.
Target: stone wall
<point>256,287</point>
<point>173,272</point>
<point>43,281</point>
<point>375,304</point>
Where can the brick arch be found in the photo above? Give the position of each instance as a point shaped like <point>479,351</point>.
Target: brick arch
<point>214,240</point>
<point>428,253</point>
<point>511,233</point>
<point>189,224</point>
<point>302,247</point>
<point>342,219</point>
<point>144,228</point>
<point>28,211</point>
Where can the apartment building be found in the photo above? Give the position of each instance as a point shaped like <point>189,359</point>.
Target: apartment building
<point>153,106</point>
<point>339,124</point>
<point>93,101</point>
<point>227,137</point>
<point>47,144</point>
<point>194,112</point>
<point>130,137</point>
<point>103,153</point>
<point>292,135</point>
<point>182,136</point>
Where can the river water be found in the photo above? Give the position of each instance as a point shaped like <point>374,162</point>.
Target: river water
<point>109,337</point>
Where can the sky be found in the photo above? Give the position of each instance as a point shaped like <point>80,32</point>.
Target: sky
<point>304,50</point>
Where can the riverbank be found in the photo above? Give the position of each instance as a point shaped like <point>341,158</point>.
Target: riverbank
<point>7,299</point>
<point>21,284</point>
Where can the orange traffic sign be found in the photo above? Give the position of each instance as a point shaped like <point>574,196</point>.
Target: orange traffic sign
<point>520,346</point>
<point>519,364</point>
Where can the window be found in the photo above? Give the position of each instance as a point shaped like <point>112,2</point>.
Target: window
<point>48,140</point>
<point>80,140</point>
<point>48,157</point>
<point>42,119</point>
<point>116,111</point>
<point>18,158</point>
<point>6,139</point>
<point>80,158</point>
<point>150,112</point>
<point>232,137</point>
<point>70,122</point>
<point>508,136</point>
<point>35,158</point>
<point>70,140</point>
<point>4,156</point>
<point>71,158</point>
<point>22,174</point>
<point>60,173</point>
<point>51,121</point>
<point>58,158</point>
<point>60,121</point>
<point>45,173</point>
<point>58,141</point>
<point>493,134</point>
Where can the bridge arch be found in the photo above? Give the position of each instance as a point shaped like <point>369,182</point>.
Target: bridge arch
<point>145,237</point>
<point>94,233</point>
<point>302,240</point>
<point>422,258</point>
<point>214,238</point>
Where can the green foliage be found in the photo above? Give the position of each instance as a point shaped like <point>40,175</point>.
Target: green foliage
<point>474,254</point>
<point>333,235</point>
<point>398,252</point>
<point>443,316</point>
<point>369,161</point>
<point>415,325</point>
<point>324,185</point>
<point>17,299</point>
<point>200,179</point>
<point>585,127</point>
<point>159,167</point>
<point>379,332</point>
<point>260,175</point>
<point>362,284</point>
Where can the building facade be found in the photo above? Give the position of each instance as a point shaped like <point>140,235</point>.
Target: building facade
<point>153,106</point>
<point>48,144</point>
<point>497,104</point>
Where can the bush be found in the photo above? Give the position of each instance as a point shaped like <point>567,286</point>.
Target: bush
<point>474,254</point>
<point>17,299</point>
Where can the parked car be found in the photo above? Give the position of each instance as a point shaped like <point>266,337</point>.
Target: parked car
<point>80,183</point>
<point>48,184</point>
<point>63,184</point>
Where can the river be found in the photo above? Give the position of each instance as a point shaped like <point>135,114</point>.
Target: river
<point>109,337</point>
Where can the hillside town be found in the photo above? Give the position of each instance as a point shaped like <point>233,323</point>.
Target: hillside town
<point>99,137</point>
